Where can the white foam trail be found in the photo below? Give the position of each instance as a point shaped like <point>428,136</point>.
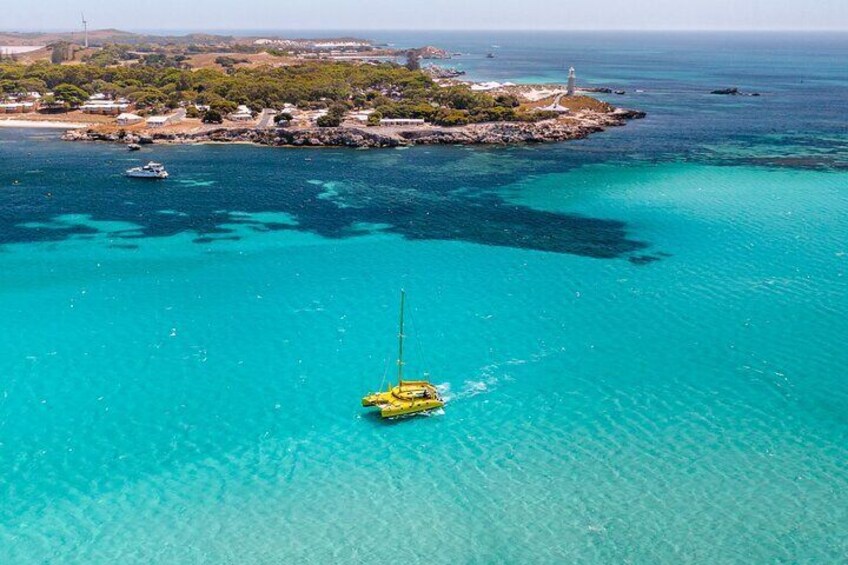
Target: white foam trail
<point>489,377</point>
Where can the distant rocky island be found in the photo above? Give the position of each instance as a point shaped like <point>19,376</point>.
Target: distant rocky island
<point>733,91</point>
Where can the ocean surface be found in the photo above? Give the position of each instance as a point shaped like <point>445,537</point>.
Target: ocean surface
<point>642,335</point>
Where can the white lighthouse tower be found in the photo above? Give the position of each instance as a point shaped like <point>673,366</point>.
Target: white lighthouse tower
<point>569,90</point>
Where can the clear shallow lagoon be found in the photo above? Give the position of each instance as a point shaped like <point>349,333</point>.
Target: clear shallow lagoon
<point>642,335</point>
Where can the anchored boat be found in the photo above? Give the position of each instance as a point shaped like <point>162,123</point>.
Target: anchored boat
<point>149,171</point>
<point>408,397</point>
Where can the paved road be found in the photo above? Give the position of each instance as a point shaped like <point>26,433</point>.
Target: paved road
<point>266,119</point>
<point>557,99</point>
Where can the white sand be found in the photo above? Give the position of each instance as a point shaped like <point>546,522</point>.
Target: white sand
<point>7,123</point>
<point>529,92</point>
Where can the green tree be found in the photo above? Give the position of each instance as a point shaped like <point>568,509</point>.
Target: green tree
<point>160,78</point>
<point>70,95</point>
<point>32,85</point>
<point>337,111</point>
<point>448,117</point>
<point>328,121</point>
<point>413,62</point>
<point>283,118</point>
<point>228,62</point>
<point>374,118</point>
<point>60,52</point>
<point>222,106</point>
<point>212,117</point>
<point>48,100</point>
<point>148,97</point>
<point>507,100</point>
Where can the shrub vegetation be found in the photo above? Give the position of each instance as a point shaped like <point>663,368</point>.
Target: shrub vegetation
<point>157,82</point>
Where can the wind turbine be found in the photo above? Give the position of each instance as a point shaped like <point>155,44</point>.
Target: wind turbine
<point>84,30</point>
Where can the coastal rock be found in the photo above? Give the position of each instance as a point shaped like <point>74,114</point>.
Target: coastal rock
<point>438,72</point>
<point>627,114</point>
<point>431,52</point>
<point>601,90</point>
<point>733,92</point>
<point>494,133</point>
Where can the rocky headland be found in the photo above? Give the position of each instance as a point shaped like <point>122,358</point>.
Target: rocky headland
<point>494,133</point>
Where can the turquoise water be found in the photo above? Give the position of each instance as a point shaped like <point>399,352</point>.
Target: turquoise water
<point>644,353</point>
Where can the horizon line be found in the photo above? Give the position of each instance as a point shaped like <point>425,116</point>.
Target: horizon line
<point>222,30</point>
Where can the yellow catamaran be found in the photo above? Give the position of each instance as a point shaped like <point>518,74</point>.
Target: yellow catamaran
<point>408,397</point>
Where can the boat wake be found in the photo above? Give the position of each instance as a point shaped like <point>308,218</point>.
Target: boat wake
<point>470,388</point>
<point>445,391</point>
<point>489,378</point>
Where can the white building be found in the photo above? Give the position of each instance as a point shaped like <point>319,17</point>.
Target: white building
<point>162,121</point>
<point>292,111</point>
<point>101,104</point>
<point>128,119</point>
<point>16,107</point>
<point>242,114</point>
<point>339,44</point>
<point>157,121</point>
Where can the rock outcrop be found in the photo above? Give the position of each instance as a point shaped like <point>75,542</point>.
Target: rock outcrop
<point>733,92</point>
<point>494,133</point>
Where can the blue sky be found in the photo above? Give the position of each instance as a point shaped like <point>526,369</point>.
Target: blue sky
<point>429,14</point>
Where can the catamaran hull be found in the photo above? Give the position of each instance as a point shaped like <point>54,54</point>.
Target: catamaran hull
<point>392,411</point>
<point>412,397</point>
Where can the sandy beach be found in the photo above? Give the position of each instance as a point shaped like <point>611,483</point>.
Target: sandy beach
<point>10,123</point>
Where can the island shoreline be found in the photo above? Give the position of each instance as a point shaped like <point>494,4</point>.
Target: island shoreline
<point>489,133</point>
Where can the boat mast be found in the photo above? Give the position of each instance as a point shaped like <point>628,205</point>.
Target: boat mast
<point>400,341</point>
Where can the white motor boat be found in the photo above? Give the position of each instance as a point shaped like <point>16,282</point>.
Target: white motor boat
<point>149,171</point>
